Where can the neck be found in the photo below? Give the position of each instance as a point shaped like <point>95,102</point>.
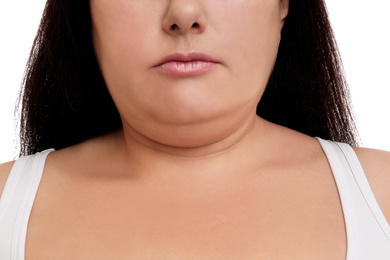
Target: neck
<point>150,156</point>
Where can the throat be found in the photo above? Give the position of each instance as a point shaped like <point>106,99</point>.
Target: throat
<point>147,157</point>
<point>206,148</point>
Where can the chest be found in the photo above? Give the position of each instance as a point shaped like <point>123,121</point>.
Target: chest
<point>252,222</point>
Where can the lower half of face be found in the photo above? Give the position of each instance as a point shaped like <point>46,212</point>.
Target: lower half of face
<point>194,107</point>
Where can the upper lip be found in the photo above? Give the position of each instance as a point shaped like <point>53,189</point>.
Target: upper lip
<point>183,57</point>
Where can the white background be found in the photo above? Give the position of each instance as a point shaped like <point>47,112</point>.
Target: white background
<point>362,30</point>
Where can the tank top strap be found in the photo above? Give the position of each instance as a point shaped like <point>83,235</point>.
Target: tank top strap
<point>16,203</point>
<point>368,233</point>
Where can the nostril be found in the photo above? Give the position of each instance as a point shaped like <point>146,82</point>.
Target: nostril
<point>174,26</point>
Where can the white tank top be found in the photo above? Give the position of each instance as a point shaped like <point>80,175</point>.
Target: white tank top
<point>368,233</point>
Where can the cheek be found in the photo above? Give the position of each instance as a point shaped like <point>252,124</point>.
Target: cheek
<point>250,39</point>
<point>121,33</point>
<point>251,36</point>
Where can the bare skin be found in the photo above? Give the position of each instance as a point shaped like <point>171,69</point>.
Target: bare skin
<point>259,199</point>
<point>193,173</point>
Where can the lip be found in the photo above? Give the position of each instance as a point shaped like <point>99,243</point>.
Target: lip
<point>181,64</point>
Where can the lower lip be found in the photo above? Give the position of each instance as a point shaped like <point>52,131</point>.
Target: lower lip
<point>186,68</point>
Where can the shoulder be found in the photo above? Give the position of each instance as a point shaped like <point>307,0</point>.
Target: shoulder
<point>5,169</point>
<point>376,165</point>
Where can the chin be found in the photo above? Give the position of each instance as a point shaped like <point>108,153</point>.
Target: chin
<point>185,130</point>
<point>188,115</point>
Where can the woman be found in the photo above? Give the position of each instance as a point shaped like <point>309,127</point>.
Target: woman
<point>179,158</point>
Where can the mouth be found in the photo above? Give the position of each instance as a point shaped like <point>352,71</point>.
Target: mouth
<point>191,64</point>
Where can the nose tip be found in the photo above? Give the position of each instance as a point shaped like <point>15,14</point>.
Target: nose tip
<point>184,16</point>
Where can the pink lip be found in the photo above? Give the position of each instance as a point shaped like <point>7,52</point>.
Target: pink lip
<point>180,64</point>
